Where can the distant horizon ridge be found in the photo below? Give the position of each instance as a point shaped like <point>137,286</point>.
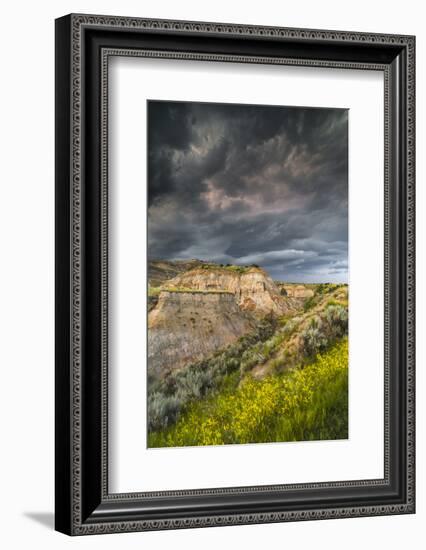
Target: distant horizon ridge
<point>221,264</point>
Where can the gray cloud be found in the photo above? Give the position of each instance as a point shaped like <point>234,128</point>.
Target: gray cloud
<point>250,184</point>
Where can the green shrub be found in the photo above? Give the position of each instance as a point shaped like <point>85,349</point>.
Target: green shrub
<point>193,383</point>
<point>313,338</point>
<point>337,318</point>
<point>310,303</point>
<point>263,351</point>
<point>163,411</point>
<point>321,288</point>
<point>324,329</point>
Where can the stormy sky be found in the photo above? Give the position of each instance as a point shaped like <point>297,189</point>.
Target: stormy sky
<point>250,184</point>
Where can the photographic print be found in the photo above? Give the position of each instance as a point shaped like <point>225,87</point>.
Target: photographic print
<point>247,274</point>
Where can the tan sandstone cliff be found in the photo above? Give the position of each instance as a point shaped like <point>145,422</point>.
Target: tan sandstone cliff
<point>253,289</point>
<point>185,327</point>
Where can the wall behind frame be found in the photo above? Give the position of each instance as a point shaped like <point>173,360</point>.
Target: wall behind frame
<point>27,274</point>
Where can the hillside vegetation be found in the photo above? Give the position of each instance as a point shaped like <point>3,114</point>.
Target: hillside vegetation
<point>308,403</point>
<point>283,379</point>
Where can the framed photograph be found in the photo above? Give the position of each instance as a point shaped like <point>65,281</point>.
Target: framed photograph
<point>234,274</point>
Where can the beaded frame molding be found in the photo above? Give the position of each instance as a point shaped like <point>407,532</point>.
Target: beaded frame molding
<point>84,44</point>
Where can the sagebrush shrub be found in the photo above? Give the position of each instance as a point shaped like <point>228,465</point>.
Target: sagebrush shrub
<point>193,383</point>
<point>163,410</point>
<point>314,339</point>
<point>336,316</point>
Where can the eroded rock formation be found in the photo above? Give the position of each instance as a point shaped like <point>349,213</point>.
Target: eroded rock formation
<point>185,327</point>
<point>253,289</point>
<point>296,291</point>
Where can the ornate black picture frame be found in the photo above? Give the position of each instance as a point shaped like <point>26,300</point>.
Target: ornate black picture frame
<point>83,45</point>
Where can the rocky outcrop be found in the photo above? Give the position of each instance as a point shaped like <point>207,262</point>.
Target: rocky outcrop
<point>296,291</point>
<point>160,271</point>
<point>185,327</point>
<point>253,290</point>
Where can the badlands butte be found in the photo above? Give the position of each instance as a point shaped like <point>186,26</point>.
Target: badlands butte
<point>196,309</point>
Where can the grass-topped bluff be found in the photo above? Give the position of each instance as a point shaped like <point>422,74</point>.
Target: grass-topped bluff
<point>235,357</point>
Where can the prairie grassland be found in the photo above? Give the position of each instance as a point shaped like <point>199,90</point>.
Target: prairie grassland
<point>309,402</point>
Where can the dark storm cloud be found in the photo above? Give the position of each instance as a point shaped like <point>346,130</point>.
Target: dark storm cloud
<point>250,184</point>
